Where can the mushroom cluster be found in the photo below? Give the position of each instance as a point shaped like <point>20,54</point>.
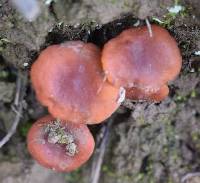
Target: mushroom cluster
<point>81,84</point>
<point>142,63</point>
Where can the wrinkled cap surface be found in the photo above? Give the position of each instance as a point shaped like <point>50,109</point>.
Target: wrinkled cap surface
<point>69,80</point>
<point>134,59</point>
<point>53,155</point>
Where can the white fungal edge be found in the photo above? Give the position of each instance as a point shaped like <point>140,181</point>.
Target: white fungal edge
<point>48,2</point>
<point>122,95</point>
<point>197,53</point>
<point>176,9</point>
<point>25,64</point>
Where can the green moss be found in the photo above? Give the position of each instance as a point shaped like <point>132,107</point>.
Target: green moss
<point>74,177</point>
<point>3,42</point>
<point>108,171</point>
<point>3,75</point>
<point>139,177</point>
<point>184,98</point>
<point>24,128</point>
<point>135,177</point>
<point>193,94</point>
<point>140,120</point>
<point>195,136</point>
<point>168,19</point>
<point>180,98</point>
<point>170,180</point>
<point>113,1</point>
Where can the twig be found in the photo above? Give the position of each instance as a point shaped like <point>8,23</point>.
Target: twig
<point>16,110</point>
<point>189,176</point>
<point>18,90</point>
<point>12,129</point>
<point>17,107</point>
<point>99,138</point>
<point>149,27</point>
<point>97,162</point>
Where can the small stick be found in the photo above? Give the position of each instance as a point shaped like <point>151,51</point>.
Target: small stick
<point>149,27</point>
<point>12,129</point>
<point>17,107</point>
<point>99,142</point>
<point>189,176</point>
<point>18,89</point>
<point>98,161</point>
<point>15,110</point>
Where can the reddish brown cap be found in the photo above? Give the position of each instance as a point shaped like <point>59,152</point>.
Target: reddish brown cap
<point>135,59</point>
<point>154,96</point>
<point>59,145</point>
<point>69,80</point>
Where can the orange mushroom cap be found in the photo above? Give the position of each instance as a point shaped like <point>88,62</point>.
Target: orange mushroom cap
<point>135,59</point>
<point>69,80</point>
<point>59,145</point>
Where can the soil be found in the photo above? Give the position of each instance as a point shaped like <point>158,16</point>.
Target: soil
<point>149,142</point>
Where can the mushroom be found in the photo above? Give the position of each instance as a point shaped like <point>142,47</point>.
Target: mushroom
<point>70,81</point>
<point>142,63</point>
<point>58,145</point>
